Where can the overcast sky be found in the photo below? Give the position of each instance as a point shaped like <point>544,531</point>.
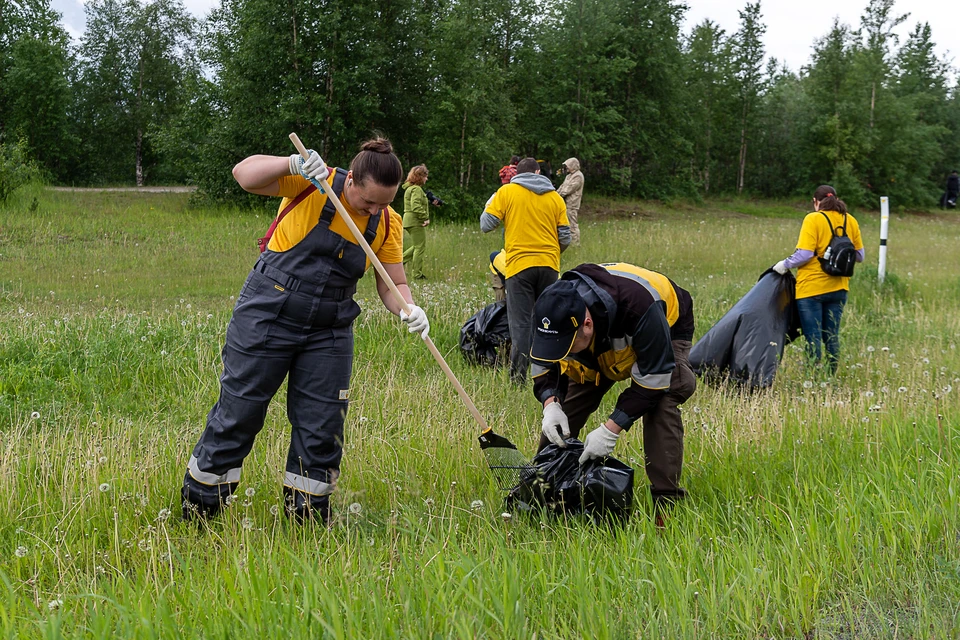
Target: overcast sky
<point>792,25</point>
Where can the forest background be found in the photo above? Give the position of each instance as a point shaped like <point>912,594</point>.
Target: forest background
<point>152,95</point>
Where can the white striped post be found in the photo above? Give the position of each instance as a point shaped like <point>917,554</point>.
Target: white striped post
<point>884,227</point>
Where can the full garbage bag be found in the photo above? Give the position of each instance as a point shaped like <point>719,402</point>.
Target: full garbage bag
<point>485,337</point>
<point>747,343</point>
<point>601,488</point>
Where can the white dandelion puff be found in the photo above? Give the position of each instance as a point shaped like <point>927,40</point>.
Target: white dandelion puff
<point>807,384</point>
<point>902,390</point>
<point>35,415</point>
<point>428,503</point>
<point>476,504</point>
<point>247,524</point>
<point>163,515</point>
<point>274,510</point>
<point>884,349</point>
<point>506,516</point>
<point>250,492</point>
<point>104,487</point>
<point>21,552</point>
<point>355,508</point>
<point>870,349</point>
<point>54,605</point>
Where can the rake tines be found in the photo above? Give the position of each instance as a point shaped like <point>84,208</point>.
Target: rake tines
<point>508,466</point>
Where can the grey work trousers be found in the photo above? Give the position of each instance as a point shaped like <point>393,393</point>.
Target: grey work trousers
<point>662,425</point>
<point>523,289</point>
<point>275,334</point>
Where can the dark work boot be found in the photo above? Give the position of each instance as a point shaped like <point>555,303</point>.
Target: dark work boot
<point>197,508</point>
<point>303,507</point>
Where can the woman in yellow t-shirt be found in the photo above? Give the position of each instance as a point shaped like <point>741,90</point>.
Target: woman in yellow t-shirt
<point>820,296</point>
<point>294,320</point>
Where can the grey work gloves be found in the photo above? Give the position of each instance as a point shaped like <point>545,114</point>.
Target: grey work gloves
<point>555,425</point>
<point>313,168</point>
<point>599,443</point>
<point>416,321</point>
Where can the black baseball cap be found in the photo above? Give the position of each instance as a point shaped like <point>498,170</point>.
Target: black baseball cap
<point>557,315</point>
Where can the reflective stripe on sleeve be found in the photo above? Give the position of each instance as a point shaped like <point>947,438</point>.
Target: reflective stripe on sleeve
<point>538,369</point>
<point>308,485</point>
<point>639,280</point>
<point>232,476</point>
<point>651,380</point>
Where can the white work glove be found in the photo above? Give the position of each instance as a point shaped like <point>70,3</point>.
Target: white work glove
<point>553,417</point>
<point>313,168</point>
<point>599,443</point>
<point>781,267</point>
<point>417,321</point>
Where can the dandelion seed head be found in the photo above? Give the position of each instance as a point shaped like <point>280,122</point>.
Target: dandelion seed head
<point>902,390</point>
<point>35,415</point>
<point>54,605</point>
<point>163,515</point>
<point>274,510</point>
<point>506,516</point>
<point>428,503</point>
<point>229,500</point>
<point>355,508</point>
<point>104,487</point>
<point>247,524</point>
<point>20,552</point>
<point>250,492</point>
<point>870,349</point>
<point>102,460</point>
<point>476,504</point>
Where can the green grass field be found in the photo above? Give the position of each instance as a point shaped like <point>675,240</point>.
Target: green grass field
<point>823,508</point>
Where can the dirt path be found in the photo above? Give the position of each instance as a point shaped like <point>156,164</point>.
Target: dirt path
<point>130,189</point>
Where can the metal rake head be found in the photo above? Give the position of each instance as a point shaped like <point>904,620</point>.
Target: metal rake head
<point>508,465</point>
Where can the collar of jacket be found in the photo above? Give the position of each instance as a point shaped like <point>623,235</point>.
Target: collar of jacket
<point>535,182</point>
<point>602,307</point>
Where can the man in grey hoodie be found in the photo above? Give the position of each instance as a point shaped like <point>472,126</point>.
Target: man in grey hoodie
<point>571,191</point>
<point>536,230</point>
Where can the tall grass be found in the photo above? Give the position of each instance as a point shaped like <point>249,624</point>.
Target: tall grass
<point>824,507</point>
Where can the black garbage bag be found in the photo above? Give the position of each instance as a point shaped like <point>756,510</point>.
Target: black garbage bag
<point>747,343</point>
<point>485,337</point>
<point>602,488</point>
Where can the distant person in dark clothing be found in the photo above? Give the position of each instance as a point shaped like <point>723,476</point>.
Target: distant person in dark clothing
<point>953,190</point>
<point>510,170</point>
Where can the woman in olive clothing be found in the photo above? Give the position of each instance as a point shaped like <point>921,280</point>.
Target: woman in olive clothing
<point>820,296</point>
<point>416,217</point>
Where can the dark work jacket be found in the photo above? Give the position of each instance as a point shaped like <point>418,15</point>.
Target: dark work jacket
<point>632,339</point>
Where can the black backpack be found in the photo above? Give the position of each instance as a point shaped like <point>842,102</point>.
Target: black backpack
<point>840,256</point>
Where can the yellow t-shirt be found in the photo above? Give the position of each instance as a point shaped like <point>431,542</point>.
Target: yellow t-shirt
<point>298,223</point>
<point>815,235</point>
<point>530,226</point>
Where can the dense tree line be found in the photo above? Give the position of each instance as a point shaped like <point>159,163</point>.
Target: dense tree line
<point>151,94</point>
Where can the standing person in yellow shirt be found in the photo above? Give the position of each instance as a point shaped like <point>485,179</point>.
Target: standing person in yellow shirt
<point>416,217</point>
<point>294,319</point>
<point>821,296</point>
<point>536,230</point>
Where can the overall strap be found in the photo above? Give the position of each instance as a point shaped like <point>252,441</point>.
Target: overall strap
<point>329,210</point>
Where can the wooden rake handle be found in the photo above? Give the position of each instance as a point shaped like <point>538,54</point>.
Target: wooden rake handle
<point>375,261</point>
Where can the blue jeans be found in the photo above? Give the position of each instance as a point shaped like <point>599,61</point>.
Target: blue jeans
<point>820,322</point>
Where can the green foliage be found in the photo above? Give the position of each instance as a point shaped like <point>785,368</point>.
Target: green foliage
<point>17,168</point>
<point>153,95</point>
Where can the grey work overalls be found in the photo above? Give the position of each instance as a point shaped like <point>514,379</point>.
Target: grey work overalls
<point>293,318</point>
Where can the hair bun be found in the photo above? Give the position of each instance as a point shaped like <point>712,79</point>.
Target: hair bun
<point>378,145</point>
